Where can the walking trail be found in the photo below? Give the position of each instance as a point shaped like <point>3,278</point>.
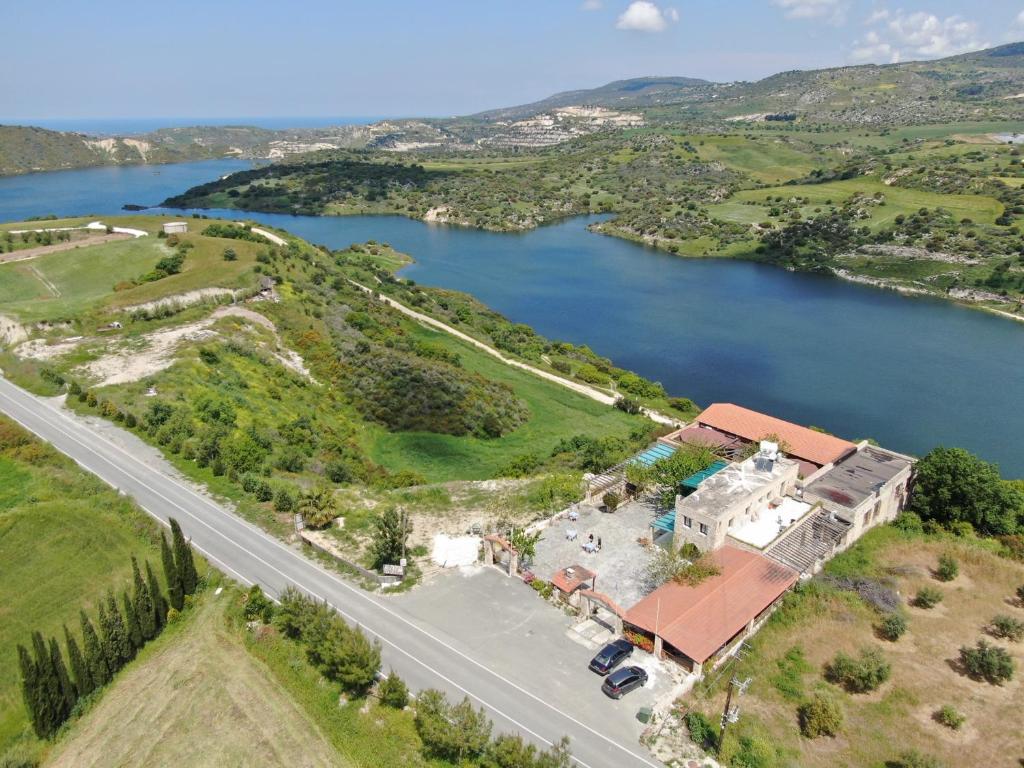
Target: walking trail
<point>592,392</point>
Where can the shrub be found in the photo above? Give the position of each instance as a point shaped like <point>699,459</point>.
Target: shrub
<point>892,627</point>
<point>1020,593</point>
<point>1007,627</point>
<point>702,731</point>
<point>457,733</point>
<point>987,662</point>
<point>821,716</point>
<point>283,500</point>
<point>949,717</point>
<point>393,691</point>
<point>611,500</point>
<point>230,255</point>
<point>948,568</point>
<point>914,759</point>
<point>258,605</point>
<point>542,588</point>
<point>859,675</point>
<point>927,597</point>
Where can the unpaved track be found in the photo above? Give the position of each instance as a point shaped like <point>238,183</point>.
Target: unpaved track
<point>30,253</point>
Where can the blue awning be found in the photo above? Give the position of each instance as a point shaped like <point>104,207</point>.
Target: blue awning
<point>666,522</point>
<point>653,454</point>
<point>699,477</point>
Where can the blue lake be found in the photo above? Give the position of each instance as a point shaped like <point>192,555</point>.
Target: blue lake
<point>911,373</point>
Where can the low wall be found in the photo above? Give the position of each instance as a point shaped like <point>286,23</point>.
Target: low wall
<point>326,549</point>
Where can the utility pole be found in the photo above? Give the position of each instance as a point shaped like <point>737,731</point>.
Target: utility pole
<point>731,714</point>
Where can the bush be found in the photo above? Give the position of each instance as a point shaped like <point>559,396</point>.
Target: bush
<point>258,605</point>
<point>543,588</point>
<point>914,759</point>
<point>821,716</point>
<point>948,568</point>
<point>987,662</point>
<point>230,255</point>
<point>702,731</point>
<point>393,691</point>
<point>1007,627</point>
<point>283,500</point>
<point>859,675</point>
<point>457,733</point>
<point>611,500</point>
<point>892,627</point>
<point>927,597</point>
<point>949,717</point>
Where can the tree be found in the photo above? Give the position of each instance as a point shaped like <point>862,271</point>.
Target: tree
<point>107,643</point>
<point>611,500</point>
<point>317,507</point>
<point>525,543</point>
<point>953,485</point>
<point>348,658</point>
<point>53,708</point>
<point>69,694</point>
<point>821,716</point>
<point>393,691</point>
<point>120,641</point>
<point>292,613</point>
<point>83,680</point>
<point>510,751</point>
<point>230,255</point>
<point>31,690</point>
<point>175,590</point>
<point>391,529</point>
<point>159,601</point>
<point>183,559</point>
<point>987,662</point>
<point>143,604</point>
<point>455,733</point>
<point>131,622</point>
<point>859,675</point>
<point>95,661</point>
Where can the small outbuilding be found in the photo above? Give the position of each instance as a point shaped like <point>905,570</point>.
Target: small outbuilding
<point>175,227</point>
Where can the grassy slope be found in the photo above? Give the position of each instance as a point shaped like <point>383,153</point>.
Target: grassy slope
<point>555,413</point>
<point>898,716</point>
<point>65,539</point>
<point>214,704</point>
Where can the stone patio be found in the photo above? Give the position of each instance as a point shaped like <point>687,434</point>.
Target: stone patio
<point>620,564</point>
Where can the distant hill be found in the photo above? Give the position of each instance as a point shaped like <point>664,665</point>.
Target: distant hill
<point>622,94</point>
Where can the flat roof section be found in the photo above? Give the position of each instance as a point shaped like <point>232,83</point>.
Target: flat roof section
<point>857,477</point>
<point>715,495</point>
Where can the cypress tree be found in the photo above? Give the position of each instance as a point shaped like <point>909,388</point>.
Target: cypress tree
<point>143,604</point>
<point>107,642</point>
<point>30,689</point>
<point>183,559</point>
<point>51,698</point>
<point>131,622</point>
<point>67,689</point>
<point>175,592</point>
<point>159,601</point>
<point>119,633</point>
<point>83,680</point>
<point>95,661</point>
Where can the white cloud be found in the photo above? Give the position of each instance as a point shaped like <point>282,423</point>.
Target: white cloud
<point>1019,21</point>
<point>832,11</point>
<point>645,16</point>
<point>592,5</point>
<point>917,35</point>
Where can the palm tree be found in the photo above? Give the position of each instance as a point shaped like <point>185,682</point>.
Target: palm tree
<point>317,507</point>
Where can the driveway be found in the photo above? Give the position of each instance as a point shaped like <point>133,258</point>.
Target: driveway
<point>507,626</point>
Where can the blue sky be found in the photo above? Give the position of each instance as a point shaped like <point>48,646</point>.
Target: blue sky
<point>225,58</point>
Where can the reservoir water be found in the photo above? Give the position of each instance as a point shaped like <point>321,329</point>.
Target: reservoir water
<point>910,373</point>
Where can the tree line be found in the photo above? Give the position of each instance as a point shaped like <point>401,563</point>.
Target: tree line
<point>52,687</point>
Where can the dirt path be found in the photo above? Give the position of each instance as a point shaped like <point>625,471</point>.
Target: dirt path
<point>275,239</point>
<point>199,700</point>
<point>42,250</point>
<point>592,392</point>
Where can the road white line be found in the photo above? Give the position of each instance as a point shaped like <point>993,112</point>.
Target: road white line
<point>269,539</point>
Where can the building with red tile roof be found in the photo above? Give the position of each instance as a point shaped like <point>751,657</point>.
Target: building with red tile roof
<point>698,622</point>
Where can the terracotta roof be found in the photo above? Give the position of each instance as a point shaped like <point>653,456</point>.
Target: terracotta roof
<point>803,443</point>
<point>699,620</point>
<point>580,577</point>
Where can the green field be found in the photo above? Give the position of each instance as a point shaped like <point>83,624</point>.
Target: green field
<point>555,413</point>
<point>65,539</point>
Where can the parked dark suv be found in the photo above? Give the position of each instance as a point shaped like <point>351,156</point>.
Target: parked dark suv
<point>624,680</point>
<point>611,656</point>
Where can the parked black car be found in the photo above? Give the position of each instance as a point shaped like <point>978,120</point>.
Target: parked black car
<point>611,656</point>
<point>624,680</point>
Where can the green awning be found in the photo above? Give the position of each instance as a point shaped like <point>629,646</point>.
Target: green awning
<point>699,477</point>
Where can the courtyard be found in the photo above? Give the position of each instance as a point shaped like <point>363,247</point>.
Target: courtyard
<point>622,561</point>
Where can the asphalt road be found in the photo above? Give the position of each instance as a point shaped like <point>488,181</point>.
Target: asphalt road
<point>251,555</point>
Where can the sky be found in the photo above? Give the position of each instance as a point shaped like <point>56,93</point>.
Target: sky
<point>75,59</point>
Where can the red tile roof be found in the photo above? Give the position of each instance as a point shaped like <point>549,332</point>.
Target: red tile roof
<point>801,442</point>
<point>699,620</point>
<point>569,584</point>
